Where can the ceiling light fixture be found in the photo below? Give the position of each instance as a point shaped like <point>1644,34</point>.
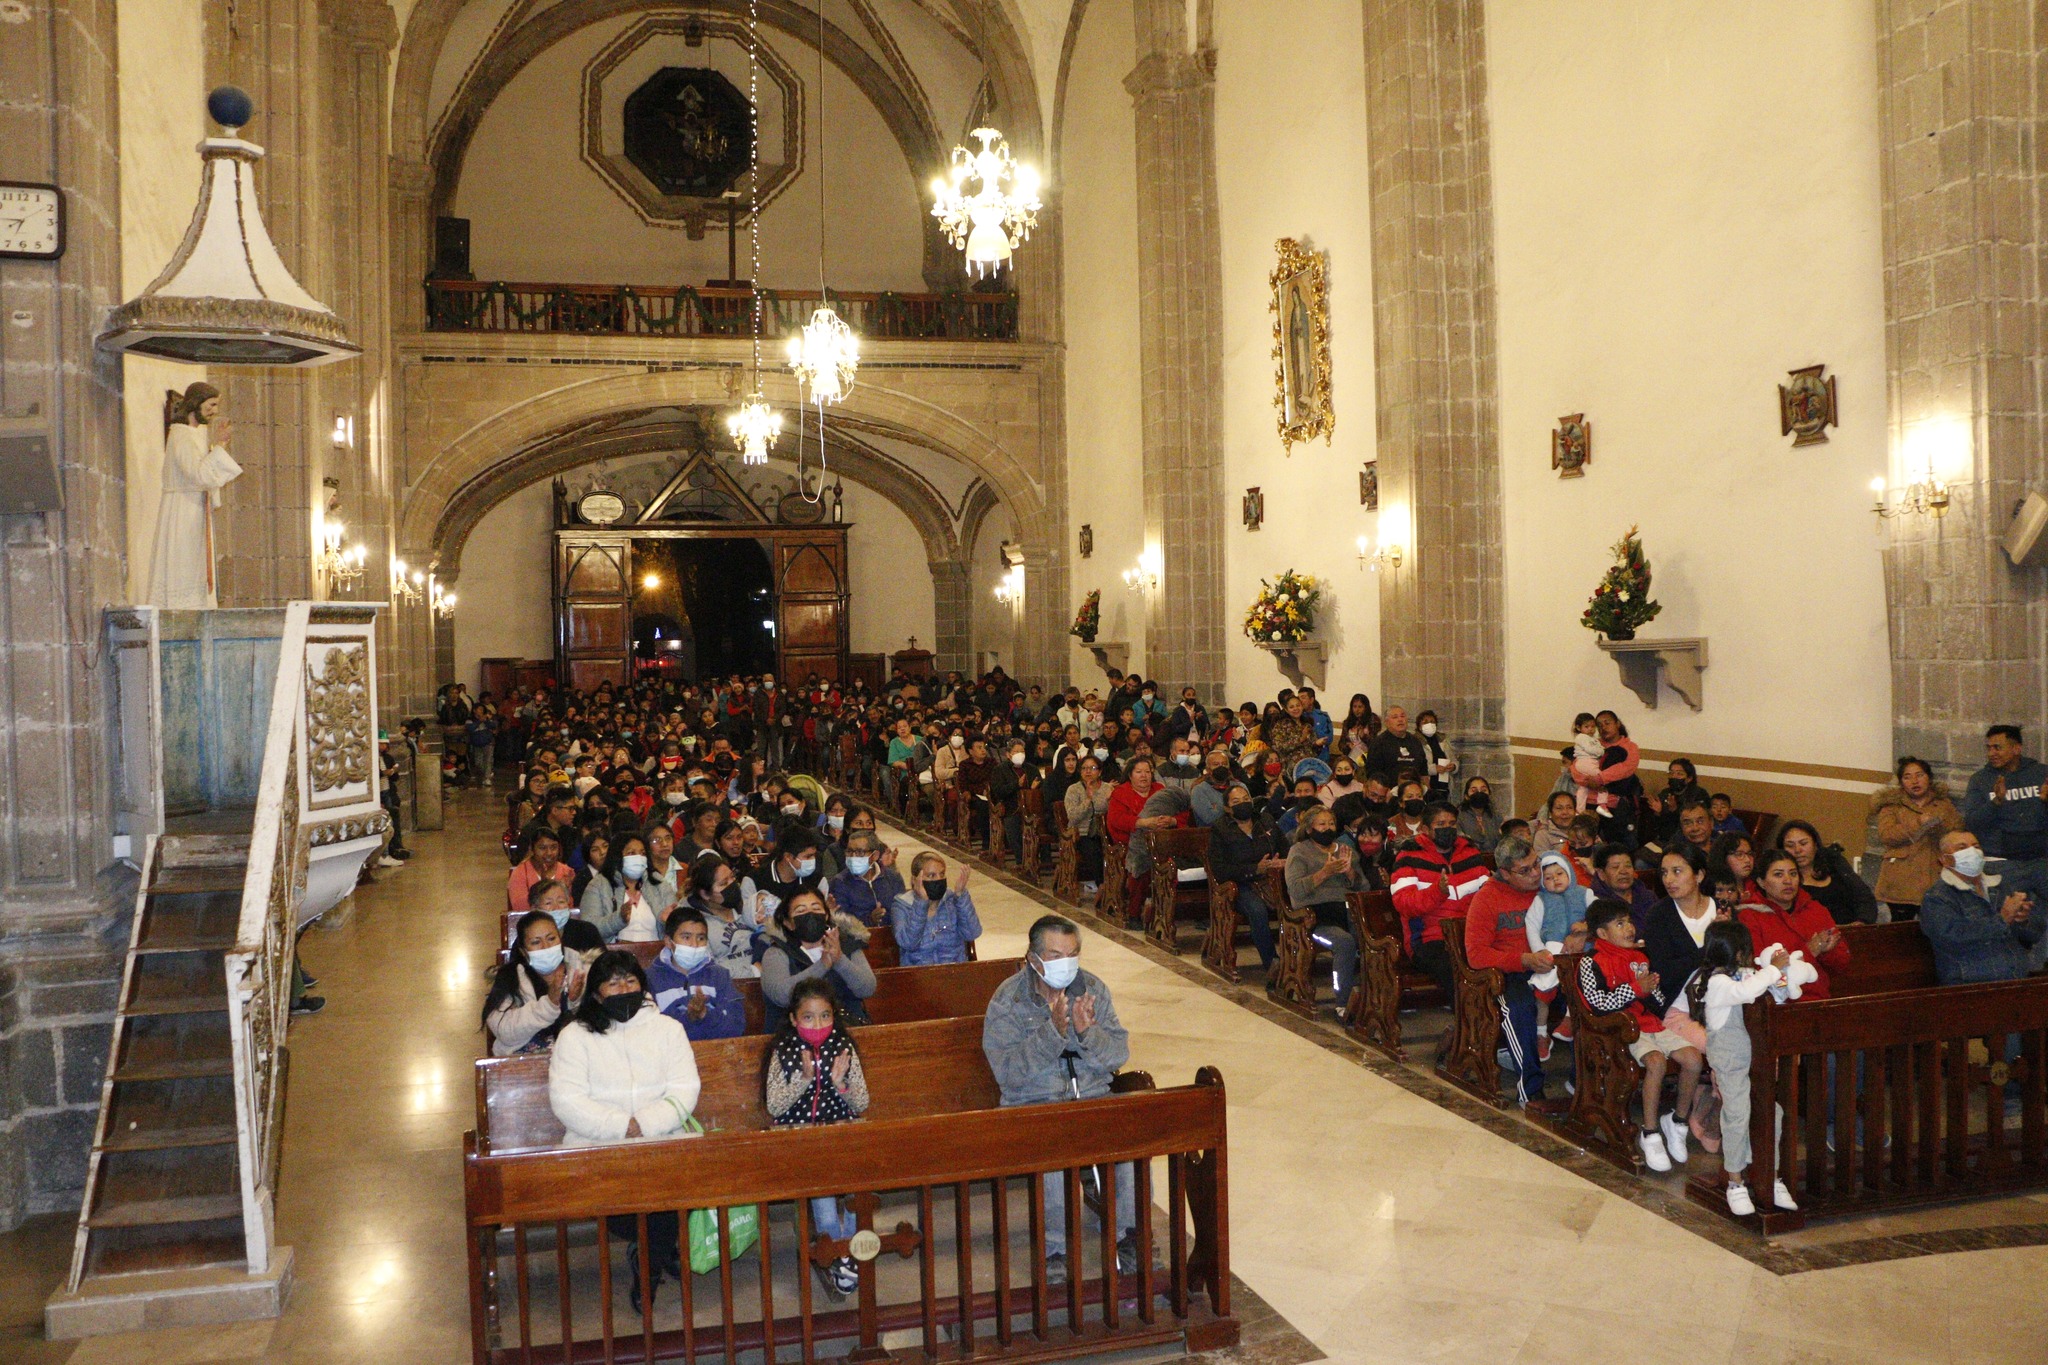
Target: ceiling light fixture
<point>998,217</point>
<point>755,427</point>
<point>826,355</point>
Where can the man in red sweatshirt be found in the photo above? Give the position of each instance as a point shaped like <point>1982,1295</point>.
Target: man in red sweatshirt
<point>1497,935</point>
<point>1433,878</point>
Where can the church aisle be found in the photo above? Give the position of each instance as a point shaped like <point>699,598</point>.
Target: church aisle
<point>1382,1227</point>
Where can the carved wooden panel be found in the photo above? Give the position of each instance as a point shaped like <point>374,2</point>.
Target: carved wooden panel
<point>595,626</point>
<point>595,570</point>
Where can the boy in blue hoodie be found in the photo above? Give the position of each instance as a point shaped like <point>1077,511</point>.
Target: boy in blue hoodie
<point>689,987</point>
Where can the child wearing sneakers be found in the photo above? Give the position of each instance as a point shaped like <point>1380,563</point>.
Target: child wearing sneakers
<point>1587,756</point>
<point>1729,978</point>
<point>1616,977</point>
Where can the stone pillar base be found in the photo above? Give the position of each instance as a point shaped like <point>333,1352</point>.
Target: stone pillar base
<point>169,1298</point>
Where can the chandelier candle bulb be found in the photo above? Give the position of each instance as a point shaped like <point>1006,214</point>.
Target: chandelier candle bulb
<point>990,223</point>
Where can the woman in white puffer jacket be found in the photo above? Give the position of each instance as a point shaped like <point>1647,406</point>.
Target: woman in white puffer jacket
<point>622,1070</point>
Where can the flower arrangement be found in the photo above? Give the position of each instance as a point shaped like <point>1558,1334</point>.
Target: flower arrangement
<point>1284,612</point>
<point>1088,620</point>
<point>1622,601</point>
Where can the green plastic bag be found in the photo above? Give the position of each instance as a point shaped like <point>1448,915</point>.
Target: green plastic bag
<point>743,1229</point>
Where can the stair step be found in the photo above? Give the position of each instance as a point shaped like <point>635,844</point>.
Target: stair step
<point>164,1139</point>
<point>180,881</point>
<point>185,922</point>
<point>177,1246</point>
<point>182,981</point>
<point>191,1208</point>
<point>174,1046</point>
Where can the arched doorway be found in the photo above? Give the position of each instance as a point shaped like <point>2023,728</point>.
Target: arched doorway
<point>703,609</point>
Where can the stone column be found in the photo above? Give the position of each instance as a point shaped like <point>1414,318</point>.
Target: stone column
<point>264,527</point>
<point>62,897</point>
<point>952,615</point>
<point>1041,641</point>
<point>1180,323</point>
<point>1442,641</point>
<point>1960,125</point>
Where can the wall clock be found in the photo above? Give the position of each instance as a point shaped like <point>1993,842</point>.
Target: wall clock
<point>31,220</point>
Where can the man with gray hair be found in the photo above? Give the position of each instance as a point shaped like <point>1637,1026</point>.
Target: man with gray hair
<point>1051,1034</point>
<point>1497,935</point>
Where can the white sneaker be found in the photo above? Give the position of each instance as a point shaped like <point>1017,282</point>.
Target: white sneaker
<point>1654,1155</point>
<point>390,862</point>
<point>1674,1137</point>
<point>1739,1202</point>
<point>1782,1197</point>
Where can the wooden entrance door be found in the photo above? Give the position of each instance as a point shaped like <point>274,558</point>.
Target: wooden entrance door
<point>811,599</point>
<point>593,612</point>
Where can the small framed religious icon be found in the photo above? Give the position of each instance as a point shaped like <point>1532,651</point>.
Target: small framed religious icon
<point>1571,446</point>
<point>1369,486</point>
<point>1806,407</point>
<point>1254,509</point>
<point>1087,540</point>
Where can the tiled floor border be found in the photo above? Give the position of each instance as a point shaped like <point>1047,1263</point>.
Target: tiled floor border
<point>1505,1124</point>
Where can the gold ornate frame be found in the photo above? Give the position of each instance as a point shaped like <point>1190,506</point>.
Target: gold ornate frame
<point>1301,278</point>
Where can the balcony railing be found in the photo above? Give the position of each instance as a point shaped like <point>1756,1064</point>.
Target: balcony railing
<point>640,310</point>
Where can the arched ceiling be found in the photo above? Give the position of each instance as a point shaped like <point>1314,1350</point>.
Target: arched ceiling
<point>945,502</point>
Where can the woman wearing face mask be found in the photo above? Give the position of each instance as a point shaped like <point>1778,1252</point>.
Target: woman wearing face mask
<point>732,919</point>
<point>1321,874</point>
<point>1441,762</point>
<point>934,923</point>
<point>808,944</point>
<point>1343,782</point>
<point>947,760</point>
<point>1477,819</point>
<point>618,902</point>
<point>532,993</point>
<point>1244,848</point>
<point>870,884</point>
<point>1407,820</point>
<point>1087,802</point>
<point>689,987</point>
<point>622,1071</point>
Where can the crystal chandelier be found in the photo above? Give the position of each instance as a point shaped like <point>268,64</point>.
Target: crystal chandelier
<point>999,215</point>
<point>756,426</point>
<point>826,355</point>
<point>754,429</point>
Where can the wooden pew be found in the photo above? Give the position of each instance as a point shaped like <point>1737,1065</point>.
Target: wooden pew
<point>1220,939</point>
<point>1066,861</point>
<point>1884,957</point>
<point>1605,1079</point>
<point>1031,834</point>
<point>1172,900</point>
<point>1292,981</point>
<point>935,1144</point>
<point>1923,1070</point>
<point>1388,980</point>
<point>1110,896</point>
<point>902,994</point>
<point>1469,1056</point>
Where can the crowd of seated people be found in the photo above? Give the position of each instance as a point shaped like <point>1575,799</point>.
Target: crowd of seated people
<point>668,814</point>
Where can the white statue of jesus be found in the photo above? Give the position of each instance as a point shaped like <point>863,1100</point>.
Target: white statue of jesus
<point>196,467</point>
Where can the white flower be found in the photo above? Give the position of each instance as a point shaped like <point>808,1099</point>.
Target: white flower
<point>1281,598</point>
<point>1624,594</point>
<point>1276,634</point>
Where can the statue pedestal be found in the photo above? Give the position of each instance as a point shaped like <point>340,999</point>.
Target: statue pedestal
<point>1679,662</point>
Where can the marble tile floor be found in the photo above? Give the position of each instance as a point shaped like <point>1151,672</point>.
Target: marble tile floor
<point>1380,1224</point>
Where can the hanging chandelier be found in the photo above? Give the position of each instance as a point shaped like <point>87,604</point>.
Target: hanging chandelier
<point>997,218</point>
<point>827,353</point>
<point>226,298</point>
<point>756,426</point>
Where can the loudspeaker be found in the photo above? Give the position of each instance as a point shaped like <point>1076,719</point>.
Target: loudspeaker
<point>2026,540</point>
<point>451,250</point>
<point>29,481</point>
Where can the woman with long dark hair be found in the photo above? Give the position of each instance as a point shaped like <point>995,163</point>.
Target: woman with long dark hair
<point>530,993</point>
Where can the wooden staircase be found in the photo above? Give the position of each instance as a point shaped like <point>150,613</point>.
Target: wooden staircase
<point>163,1189</point>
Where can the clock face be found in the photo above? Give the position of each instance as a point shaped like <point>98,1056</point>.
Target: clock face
<point>601,509</point>
<point>31,221</point>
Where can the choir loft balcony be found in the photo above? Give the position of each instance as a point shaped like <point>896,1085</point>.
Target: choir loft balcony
<point>496,306</point>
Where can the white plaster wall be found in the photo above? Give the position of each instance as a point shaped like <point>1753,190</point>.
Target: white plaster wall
<point>1100,229</point>
<point>163,117</point>
<point>504,599</point>
<point>1687,207</point>
<point>992,624</point>
<point>890,576</point>
<point>1296,167</point>
<point>538,213</point>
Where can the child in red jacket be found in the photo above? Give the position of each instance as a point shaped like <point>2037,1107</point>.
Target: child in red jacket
<point>1616,977</point>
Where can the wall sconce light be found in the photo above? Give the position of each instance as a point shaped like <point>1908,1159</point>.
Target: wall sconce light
<point>406,585</point>
<point>338,566</point>
<point>1010,588</point>
<point>443,601</point>
<point>651,581</point>
<point>1925,498</point>
<point>1144,575</point>
<point>344,432</point>
<point>1388,554</point>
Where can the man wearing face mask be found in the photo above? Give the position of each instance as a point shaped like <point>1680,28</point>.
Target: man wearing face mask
<point>934,923</point>
<point>1051,1034</point>
<point>1433,879</point>
<point>1244,849</point>
<point>1322,872</point>
<point>794,866</point>
<point>1983,922</point>
<point>870,884</point>
<point>689,987</point>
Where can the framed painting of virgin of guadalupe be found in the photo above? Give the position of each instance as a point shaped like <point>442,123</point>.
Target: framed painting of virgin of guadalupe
<point>1301,345</point>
